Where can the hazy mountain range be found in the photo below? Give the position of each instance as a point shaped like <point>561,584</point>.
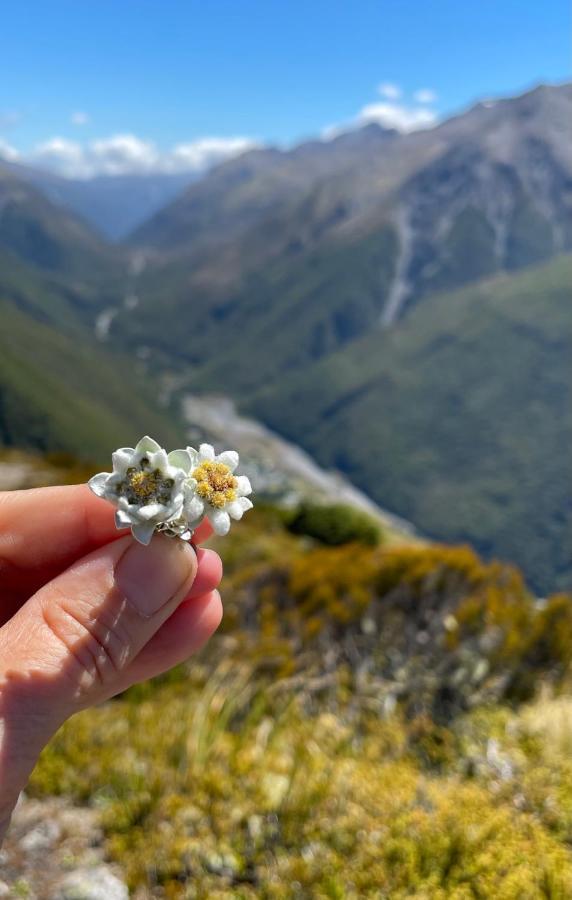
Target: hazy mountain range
<point>113,205</point>
<point>397,304</point>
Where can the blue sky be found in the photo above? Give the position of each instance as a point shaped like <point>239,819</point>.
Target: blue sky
<point>89,82</point>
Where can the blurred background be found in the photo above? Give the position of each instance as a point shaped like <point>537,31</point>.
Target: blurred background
<point>336,237</point>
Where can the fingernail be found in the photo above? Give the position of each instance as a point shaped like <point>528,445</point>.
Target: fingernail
<point>150,576</point>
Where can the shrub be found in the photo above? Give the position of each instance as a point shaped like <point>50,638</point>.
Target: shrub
<point>336,524</point>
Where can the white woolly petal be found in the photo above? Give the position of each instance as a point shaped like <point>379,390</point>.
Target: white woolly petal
<point>122,520</point>
<point>178,476</point>
<point>143,532</point>
<point>181,459</point>
<point>152,511</point>
<point>173,510</point>
<point>147,445</point>
<point>228,458</point>
<point>194,454</point>
<point>206,453</point>
<point>98,483</point>
<point>238,507</point>
<point>121,460</point>
<point>243,486</point>
<point>220,521</point>
<point>194,508</point>
<point>190,486</point>
<point>159,460</point>
<point>115,480</point>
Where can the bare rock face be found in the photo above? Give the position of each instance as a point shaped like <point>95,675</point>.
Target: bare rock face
<point>53,851</point>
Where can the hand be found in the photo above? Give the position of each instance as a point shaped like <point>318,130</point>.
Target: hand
<point>84,613</point>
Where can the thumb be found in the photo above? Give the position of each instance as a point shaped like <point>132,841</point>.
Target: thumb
<point>82,630</point>
<point>69,645</point>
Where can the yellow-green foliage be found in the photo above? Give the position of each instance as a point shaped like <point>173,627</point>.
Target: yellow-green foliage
<point>320,746</point>
<point>217,790</point>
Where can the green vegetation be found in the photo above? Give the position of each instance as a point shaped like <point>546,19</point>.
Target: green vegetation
<point>354,731</point>
<point>457,419</point>
<point>46,236</point>
<point>335,524</point>
<point>59,389</point>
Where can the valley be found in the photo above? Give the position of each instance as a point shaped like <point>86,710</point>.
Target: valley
<point>395,304</point>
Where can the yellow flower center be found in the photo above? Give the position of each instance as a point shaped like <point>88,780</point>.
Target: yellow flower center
<point>216,483</point>
<point>143,485</point>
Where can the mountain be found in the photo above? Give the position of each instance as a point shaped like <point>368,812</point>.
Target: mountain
<point>85,272</point>
<point>291,280</point>
<point>459,418</point>
<point>396,304</point>
<point>114,205</point>
<point>59,389</point>
<point>311,248</point>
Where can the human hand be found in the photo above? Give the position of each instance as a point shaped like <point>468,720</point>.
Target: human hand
<point>84,613</point>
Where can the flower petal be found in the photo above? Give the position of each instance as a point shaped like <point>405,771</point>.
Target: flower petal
<point>220,521</point>
<point>243,486</point>
<point>238,507</point>
<point>151,511</point>
<point>98,483</point>
<point>147,445</point>
<point>194,454</point>
<point>181,459</point>
<point>159,460</point>
<point>229,458</point>
<point>206,452</point>
<point>121,460</point>
<point>143,532</point>
<point>122,519</point>
<point>194,508</point>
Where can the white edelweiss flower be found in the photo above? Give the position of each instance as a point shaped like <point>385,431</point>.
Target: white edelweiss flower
<point>213,490</point>
<point>147,487</point>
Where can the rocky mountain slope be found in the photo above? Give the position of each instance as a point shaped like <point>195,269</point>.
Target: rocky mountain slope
<point>344,233</point>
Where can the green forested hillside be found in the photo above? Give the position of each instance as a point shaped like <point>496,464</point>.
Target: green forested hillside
<point>459,419</point>
<point>59,388</point>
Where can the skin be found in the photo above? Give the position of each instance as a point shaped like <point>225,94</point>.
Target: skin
<point>82,618</point>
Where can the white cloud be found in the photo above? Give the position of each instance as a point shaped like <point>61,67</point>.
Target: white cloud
<point>391,112</point>
<point>79,118</point>
<point>127,154</point>
<point>389,90</point>
<point>205,152</point>
<point>122,154</point>
<point>425,95</point>
<point>60,155</point>
<point>396,115</point>
<point>7,152</point>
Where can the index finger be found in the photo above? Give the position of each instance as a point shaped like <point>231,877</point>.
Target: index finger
<point>44,530</point>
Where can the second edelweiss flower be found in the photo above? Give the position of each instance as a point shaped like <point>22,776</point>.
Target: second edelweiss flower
<point>213,490</point>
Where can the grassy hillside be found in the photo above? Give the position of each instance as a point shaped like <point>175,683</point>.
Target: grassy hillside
<point>45,235</point>
<point>59,389</point>
<point>356,730</point>
<point>458,419</point>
